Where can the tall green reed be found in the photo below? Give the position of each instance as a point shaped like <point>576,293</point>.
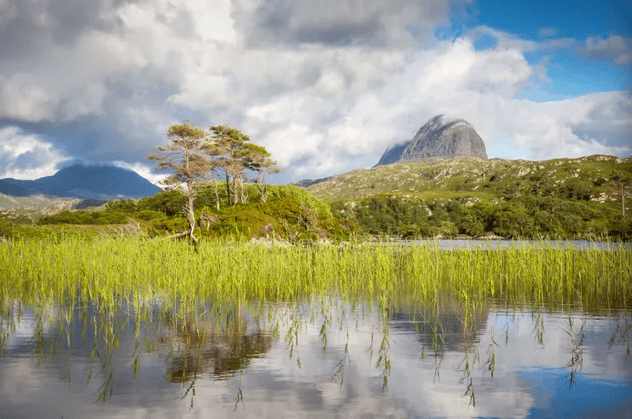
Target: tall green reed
<point>109,270</point>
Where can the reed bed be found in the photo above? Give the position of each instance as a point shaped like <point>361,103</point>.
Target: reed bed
<point>110,270</point>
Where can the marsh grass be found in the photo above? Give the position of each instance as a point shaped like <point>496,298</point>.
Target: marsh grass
<point>109,270</point>
<point>216,305</point>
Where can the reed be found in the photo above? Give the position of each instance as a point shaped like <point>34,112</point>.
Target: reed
<point>109,270</point>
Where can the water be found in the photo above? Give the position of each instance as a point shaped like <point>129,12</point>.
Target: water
<point>316,359</point>
<point>503,244</point>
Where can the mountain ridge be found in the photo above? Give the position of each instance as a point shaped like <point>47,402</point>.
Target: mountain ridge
<point>83,182</point>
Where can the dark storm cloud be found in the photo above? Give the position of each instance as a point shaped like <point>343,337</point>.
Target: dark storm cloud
<point>376,23</point>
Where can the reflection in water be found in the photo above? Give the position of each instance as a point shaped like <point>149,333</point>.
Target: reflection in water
<point>194,349</point>
<point>324,357</point>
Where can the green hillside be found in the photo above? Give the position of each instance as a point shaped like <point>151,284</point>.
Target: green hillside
<point>594,177</point>
<point>560,198</point>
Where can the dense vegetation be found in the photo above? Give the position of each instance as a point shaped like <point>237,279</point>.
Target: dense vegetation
<point>529,217</point>
<point>555,199</point>
<point>106,270</point>
<point>289,214</point>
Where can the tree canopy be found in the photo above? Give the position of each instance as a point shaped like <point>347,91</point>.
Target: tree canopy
<point>195,155</point>
<point>238,154</point>
<point>187,159</point>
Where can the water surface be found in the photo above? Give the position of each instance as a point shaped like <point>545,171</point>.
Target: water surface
<point>320,358</point>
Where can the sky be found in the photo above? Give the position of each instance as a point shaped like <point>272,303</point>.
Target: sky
<point>326,86</point>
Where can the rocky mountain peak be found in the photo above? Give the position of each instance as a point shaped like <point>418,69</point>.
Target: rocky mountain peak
<point>438,138</point>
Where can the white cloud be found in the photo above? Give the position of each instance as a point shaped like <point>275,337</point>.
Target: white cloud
<point>144,171</point>
<point>26,156</point>
<point>322,86</point>
<point>615,48</point>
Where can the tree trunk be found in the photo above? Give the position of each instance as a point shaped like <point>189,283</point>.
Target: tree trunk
<point>227,188</point>
<point>242,191</point>
<point>262,189</point>
<point>235,192</point>
<point>216,192</point>
<point>190,213</point>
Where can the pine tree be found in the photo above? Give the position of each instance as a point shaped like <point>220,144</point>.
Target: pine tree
<point>187,158</point>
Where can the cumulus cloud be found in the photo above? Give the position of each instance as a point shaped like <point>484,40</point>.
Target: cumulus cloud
<point>615,48</point>
<point>26,156</point>
<point>332,22</point>
<point>323,86</point>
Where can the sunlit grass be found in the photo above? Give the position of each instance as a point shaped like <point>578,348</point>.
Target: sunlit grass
<point>223,298</point>
<point>108,270</point>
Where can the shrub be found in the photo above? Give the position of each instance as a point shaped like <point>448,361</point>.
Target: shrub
<point>171,203</point>
<point>149,215</point>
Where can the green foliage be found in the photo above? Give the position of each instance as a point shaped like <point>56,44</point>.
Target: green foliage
<point>6,228</point>
<point>169,225</point>
<point>125,206</point>
<point>528,217</point>
<point>280,218</point>
<point>301,195</point>
<point>149,215</point>
<point>171,203</point>
<point>85,217</point>
<point>390,216</point>
<point>470,225</point>
<point>575,190</point>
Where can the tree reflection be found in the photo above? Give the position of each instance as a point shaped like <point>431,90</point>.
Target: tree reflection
<point>221,348</point>
<point>220,340</point>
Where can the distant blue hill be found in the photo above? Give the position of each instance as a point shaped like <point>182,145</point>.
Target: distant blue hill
<point>84,182</point>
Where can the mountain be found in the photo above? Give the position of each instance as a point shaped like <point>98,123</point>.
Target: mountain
<point>84,182</point>
<point>438,139</point>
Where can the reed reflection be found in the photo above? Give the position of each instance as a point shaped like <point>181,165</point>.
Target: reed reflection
<point>220,340</point>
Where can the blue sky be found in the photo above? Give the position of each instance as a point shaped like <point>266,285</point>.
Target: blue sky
<point>326,86</point>
<point>570,74</point>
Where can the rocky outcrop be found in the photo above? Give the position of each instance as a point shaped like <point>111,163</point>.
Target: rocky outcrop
<point>438,139</point>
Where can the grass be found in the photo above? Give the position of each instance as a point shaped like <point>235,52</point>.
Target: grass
<point>107,270</point>
<point>200,306</point>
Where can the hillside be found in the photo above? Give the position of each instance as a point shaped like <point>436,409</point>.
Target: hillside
<point>587,178</point>
<point>556,199</point>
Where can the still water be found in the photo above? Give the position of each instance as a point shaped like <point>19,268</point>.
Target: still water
<point>322,358</point>
<point>503,244</point>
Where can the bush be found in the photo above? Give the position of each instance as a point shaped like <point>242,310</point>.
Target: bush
<point>85,218</point>
<point>171,203</point>
<point>471,226</point>
<point>149,215</point>
<point>172,225</point>
<point>125,206</point>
